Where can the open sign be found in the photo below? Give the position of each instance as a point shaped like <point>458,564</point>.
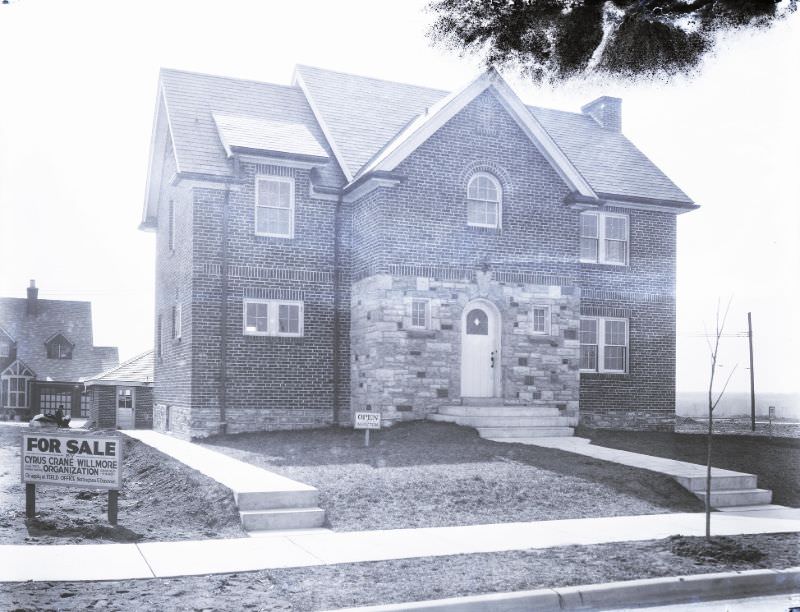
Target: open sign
<point>367,420</point>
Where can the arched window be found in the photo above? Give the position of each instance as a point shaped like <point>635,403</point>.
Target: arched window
<point>484,201</point>
<point>15,385</point>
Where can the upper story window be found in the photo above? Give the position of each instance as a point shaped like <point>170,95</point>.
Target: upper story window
<point>604,345</point>
<point>420,310</point>
<point>58,347</point>
<point>5,348</point>
<point>484,201</point>
<point>604,238</point>
<point>274,210</point>
<point>272,317</point>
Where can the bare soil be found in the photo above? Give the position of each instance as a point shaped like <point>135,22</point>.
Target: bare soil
<point>424,474</point>
<point>776,461</point>
<point>161,499</point>
<point>324,588</point>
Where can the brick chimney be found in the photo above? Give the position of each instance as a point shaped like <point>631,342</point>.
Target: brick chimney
<point>607,111</point>
<point>33,295</point>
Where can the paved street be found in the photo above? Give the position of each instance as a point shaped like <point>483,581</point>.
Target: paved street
<point>775,603</point>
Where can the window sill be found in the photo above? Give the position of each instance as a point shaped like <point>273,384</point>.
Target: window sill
<point>600,264</point>
<point>604,373</point>
<point>280,236</point>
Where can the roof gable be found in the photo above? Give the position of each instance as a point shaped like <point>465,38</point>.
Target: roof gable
<point>32,332</point>
<point>423,127</point>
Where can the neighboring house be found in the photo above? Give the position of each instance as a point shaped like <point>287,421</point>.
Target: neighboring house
<point>347,243</point>
<point>46,350</point>
<point>122,397</point>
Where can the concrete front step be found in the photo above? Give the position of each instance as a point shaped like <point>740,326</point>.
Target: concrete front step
<point>510,421</point>
<point>271,500</point>
<point>482,401</point>
<point>283,518</point>
<point>500,411</point>
<point>740,482</point>
<point>747,497</point>
<point>495,433</point>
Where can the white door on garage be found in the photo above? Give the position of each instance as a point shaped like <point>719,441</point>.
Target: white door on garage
<point>126,405</point>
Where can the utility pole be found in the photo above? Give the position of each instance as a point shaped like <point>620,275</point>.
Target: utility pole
<point>752,378</point>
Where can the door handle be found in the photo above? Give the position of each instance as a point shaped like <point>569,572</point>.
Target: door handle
<point>492,357</point>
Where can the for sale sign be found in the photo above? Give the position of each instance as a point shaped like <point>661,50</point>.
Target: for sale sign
<point>70,460</point>
<point>367,420</point>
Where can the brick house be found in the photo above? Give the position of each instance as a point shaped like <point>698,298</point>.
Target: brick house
<point>46,351</point>
<point>122,397</point>
<point>347,243</point>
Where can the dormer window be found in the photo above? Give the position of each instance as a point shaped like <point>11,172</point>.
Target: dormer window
<point>5,348</point>
<point>58,347</point>
<point>484,201</point>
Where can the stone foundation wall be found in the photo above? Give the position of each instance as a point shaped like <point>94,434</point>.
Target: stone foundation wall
<point>632,419</point>
<point>257,419</point>
<point>408,373</point>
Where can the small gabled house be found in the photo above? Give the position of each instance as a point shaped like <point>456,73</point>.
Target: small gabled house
<point>122,397</point>
<point>46,351</point>
<point>346,243</point>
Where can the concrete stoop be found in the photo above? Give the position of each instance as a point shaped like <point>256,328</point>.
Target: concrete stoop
<point>495,421</point>
<point>283,510</point>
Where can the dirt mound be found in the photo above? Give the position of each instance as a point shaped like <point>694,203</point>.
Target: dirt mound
<point>715,550</point>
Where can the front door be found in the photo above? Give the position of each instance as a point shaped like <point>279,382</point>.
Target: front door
<point>125,407</point>
<point>480,354</point>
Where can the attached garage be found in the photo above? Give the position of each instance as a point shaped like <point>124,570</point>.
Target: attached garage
<point>122,398</point>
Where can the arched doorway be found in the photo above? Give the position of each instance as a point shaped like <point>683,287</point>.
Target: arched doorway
<point>480,350</point>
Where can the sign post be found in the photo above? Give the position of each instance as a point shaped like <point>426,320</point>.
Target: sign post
<point>72,461</point>
<point>367,421</point>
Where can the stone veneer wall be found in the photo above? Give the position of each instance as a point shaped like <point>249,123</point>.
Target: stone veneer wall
<point>408,373</point>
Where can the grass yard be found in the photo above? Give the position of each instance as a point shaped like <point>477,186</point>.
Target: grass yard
<point>324,588</point>
<point>161,499</point>
<point>776,461</point>
<point>425,474</point>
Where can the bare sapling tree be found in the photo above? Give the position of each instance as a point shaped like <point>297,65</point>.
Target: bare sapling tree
<point>712,402</point>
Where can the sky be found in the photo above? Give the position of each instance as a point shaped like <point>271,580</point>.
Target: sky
<point>77,97</point>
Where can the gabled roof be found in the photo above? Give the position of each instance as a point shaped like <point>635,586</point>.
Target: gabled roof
<point>185,105</point>
<point>32,331</point>
<point>359,122</point>
<point>137,370</point>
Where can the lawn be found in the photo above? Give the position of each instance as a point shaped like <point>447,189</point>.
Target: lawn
<point>776,461</point>
<point>425,474</point>
<point>324,588</point>
<point>161,499</point>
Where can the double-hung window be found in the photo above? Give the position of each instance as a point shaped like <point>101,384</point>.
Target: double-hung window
<point>484,201</point>
<point>540,320</point>
<point>272,318</point>
<point>604,345</point>
<point>420,309</point>
<point>604,238</point>
<point>274,210</point>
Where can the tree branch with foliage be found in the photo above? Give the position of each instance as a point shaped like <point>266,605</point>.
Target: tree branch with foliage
<point>552,40</point>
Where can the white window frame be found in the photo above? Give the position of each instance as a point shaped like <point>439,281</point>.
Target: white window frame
<point>427,315</point>
<point>277,179</point>
<point>601,345</point>
<point>19,372</point>
<point>547,318</point>
<point>5,348</point>
<point>601,237</point>
<point>498,202</point>
<point>273,313</point>
<point>177,320</point>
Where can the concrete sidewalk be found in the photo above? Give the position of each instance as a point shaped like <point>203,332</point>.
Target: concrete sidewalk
<point>166,559</point>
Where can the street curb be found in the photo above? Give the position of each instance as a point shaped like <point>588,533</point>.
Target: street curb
<point>651,591</point>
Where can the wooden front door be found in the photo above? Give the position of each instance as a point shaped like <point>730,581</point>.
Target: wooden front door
<point>480,351</point>
<point>126,405</point>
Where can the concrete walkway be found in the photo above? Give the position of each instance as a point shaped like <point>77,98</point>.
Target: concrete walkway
<point>266,501</point>
<point>166,559</point>
<point>729,488</point>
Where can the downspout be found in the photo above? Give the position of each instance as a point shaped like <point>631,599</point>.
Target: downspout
<point>336,361</point>
<point>223,332</point>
